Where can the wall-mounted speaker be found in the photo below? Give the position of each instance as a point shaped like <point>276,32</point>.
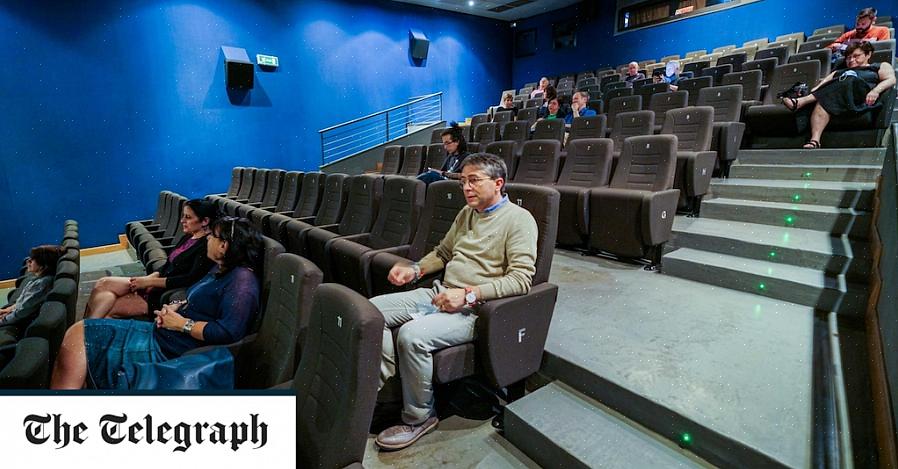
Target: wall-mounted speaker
<point>238,68</point>
<point>418,44</point>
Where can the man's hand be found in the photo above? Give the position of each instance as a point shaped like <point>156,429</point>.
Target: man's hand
<point>450,300</point>
<point>401,274</point>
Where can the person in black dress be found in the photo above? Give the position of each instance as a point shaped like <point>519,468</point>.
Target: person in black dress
<point>849,91</point>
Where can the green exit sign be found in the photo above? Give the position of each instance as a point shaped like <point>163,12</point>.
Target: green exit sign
<point>266,60</point>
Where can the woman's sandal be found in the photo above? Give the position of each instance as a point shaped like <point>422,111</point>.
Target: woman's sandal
<point>793,101</point>
<point>811,145</point>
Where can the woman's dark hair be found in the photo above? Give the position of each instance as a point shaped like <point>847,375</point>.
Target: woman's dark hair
<point>455,133</point>
<point>203,209</point>
<point>551,93</point>
<point>47,256</point>
<point>245,245</point>
<point>865,47</point>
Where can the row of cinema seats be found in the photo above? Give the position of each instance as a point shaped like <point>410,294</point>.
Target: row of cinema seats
<point>27,363</point>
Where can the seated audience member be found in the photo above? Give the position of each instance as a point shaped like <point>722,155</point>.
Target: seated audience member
<point>541,89</point>
<point>579,107</point>
<point>38,281</point>
<point>670,75</point>
<point>847,92</point>
<point>864,31</point>
<point>633,74</point>
<point>489,252</point>
<point>507,105</point>
<point>456,151</point>
<point>219,310</point>
<point>544,109</point>
<point>121,297</point>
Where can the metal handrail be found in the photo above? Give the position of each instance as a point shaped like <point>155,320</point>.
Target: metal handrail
<point>413,101</point>
<point>361,134</point>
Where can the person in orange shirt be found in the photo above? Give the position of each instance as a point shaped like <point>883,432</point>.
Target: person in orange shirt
<point>864,31</point>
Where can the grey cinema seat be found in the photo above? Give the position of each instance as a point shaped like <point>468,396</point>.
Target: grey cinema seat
<point>693,127</point>
<point>587,165</point>
<point>392,159</point>
<point>412,161</point>
<point>549,129</point>
<point>663,102</point>
<point>333,203</point>
<point>539,162</point>
<point>692,85</point>
<point>726,137</point>
<point>773,118</point>
<point>25,364</point>
<point>310,196</point>
<point>633,216</point>
<point>285,203</point>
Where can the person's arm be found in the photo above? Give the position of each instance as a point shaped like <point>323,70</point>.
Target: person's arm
<point>33,295</point>
<point>881,34</point>
<point>886,81</point>
<point>436,260</point>
<point>838,42</point>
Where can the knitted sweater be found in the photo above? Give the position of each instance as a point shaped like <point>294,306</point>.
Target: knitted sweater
<point>494,251</point>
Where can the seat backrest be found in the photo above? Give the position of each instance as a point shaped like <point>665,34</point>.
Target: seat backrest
<point>397,216</point>
<point>836,28</point>
<point>784,76</point>
<point>246,186</point>
<point>646,163</point>
<point>597,105</point>
<point>623,104</point>
<point>392,159</point>
<point>500,117</point>
<point>479,119</point>
<point>436,156</point>
<point>364,191</point>
<point>641,82</point>
<point>272,358</point>
<point>647,91</point>
<point>335,383</point>
<point>756,43</point>
<point>588,163</point>
<point>824,56</point>
<point>726,101</point>
<point>692,85</point>
<point>617,93</point>
<point>271,249</point>
<point>309,195</point>
<point>611,77</point>
<point>697,66</point>
<point>614,85</point>
<point>736,59</point>
<point>750,81</point>
<point>333,199</point>
<point>412,160</point>
<point>766,67</point>
<point>528,114</point>
<point>539,162</point>
<point>65,291</point>
<point>29,366</point>
<point>888,44</point>
<point>260,183</point>
<point>814,45</point>
<point>723,49</point>
<point>516,131</point>
<point>628,124</point>
<point>693,127</point>
<point>290,191</point>
<point>174,225</point>
<point>780,53</point>
<point>798,37</point>
<point>162,207</point>
<point>273,187</point>
<point>236,178</point>
<point>588,127</point>
<point>504,149</point>
<point>717,73</point>
<point>542,203</point>
<point>828,36</point>
<point>880,56</point>
<point>486,132</point>
<point>49,324</point>
<point>436,135</point>
<point>663,102</point>
<point>549,129</point>
<point>444,200</point>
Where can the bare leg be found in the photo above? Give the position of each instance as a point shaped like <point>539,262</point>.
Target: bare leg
<point>801,102</point>
<point>819,120</point>
<point>70,371</point>
<point>104,294</point>
<point>128,306</point>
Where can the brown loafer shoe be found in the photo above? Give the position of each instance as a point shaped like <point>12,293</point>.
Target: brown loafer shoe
<point>402,436</point>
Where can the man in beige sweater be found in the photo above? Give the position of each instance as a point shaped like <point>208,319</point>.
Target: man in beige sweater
<point>489,252</point>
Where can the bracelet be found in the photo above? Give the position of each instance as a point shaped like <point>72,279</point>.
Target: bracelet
<point>188,326</point>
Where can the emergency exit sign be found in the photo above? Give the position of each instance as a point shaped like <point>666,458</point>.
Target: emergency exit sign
<point>266,60</point>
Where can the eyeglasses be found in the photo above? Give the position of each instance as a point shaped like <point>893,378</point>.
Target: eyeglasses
<point>450,142</point>
<point>472,181</point>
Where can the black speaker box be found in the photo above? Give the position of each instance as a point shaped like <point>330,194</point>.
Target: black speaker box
<point>238,68</point>
<point>418,44</point>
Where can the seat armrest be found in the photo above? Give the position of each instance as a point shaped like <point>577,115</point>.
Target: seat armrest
<point>29,368</point>
<point>511,333</point>
<point>726,139</point>
<point>175,294</point>
<point>885,112</point>
<point>361,238</point>
<point>308,220</point>
<point>254,204</point>
<point>658,208</point>
<point>234,348</point>
<point>269,208</point>
<point>698,167</point>
<point>332,228</point>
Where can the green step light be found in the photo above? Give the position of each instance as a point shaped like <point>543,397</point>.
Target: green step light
<point>686,439</point>
<point>772,254</point>
<point>762,286</point>
<point>807,174</point>
<point>789,219</point>
<point>796,197</point>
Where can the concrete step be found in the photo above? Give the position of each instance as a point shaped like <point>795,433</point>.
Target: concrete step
<point>807,172</point>
<point>557,426</point>
<point>858,195</point>
<point>836,221</point>
<point>792,246</point>
<point>820,156</point>
<point>791,283</point>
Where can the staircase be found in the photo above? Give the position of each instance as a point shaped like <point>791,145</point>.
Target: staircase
<point>787,224</point>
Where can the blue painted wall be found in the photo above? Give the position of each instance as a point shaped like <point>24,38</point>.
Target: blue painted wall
<point>598,46</point>
<point>107,103</point>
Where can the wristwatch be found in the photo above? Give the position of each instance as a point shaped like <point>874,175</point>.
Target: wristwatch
<point>417,268</point>
<point>188,326</point>
<point>470,296</point>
